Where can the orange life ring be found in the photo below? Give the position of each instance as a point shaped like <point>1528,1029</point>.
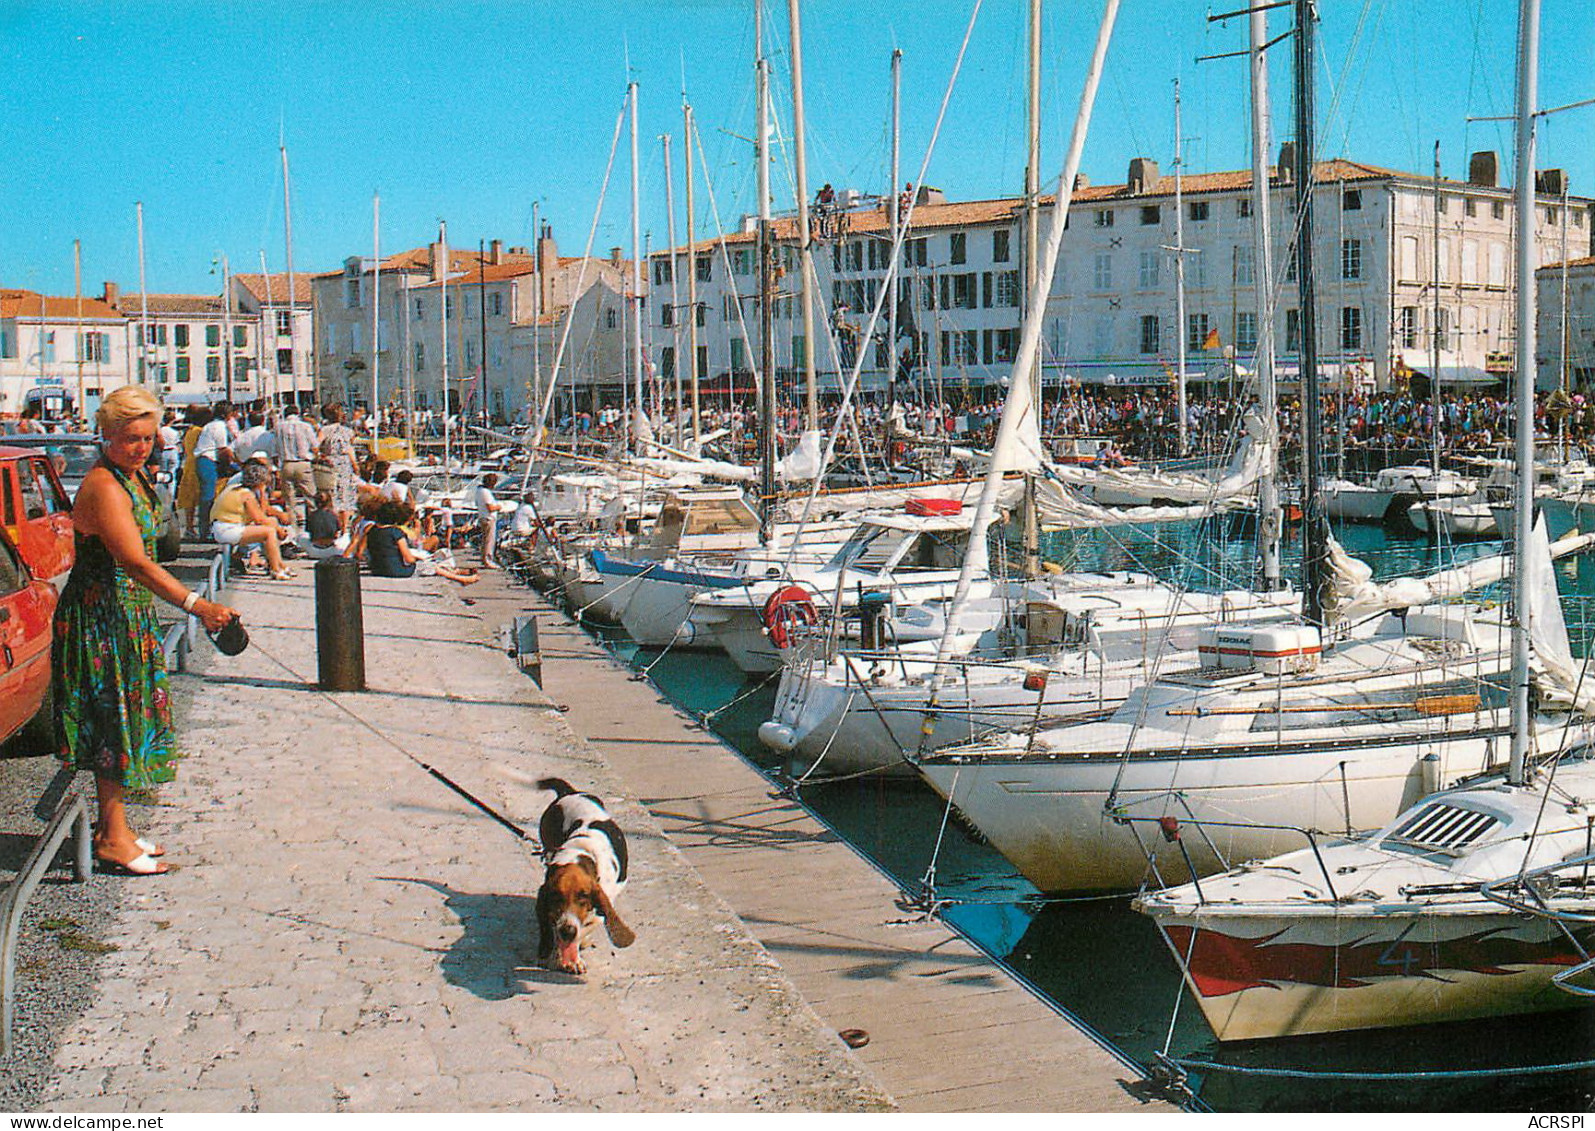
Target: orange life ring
<point>785,609</point>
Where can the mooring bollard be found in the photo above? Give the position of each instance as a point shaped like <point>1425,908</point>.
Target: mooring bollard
<point>527,651</point>
<point>340,626</point>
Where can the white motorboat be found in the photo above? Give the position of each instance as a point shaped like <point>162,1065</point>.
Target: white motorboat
<point>1391,492</point>
<point>1472,516</point>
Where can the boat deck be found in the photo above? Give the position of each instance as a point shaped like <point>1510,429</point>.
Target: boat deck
<point>949,1030</point>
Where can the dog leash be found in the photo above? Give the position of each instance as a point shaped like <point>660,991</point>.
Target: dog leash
<point>436,773</point>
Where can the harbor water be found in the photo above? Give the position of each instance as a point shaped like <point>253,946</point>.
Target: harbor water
<point>1105,965</point>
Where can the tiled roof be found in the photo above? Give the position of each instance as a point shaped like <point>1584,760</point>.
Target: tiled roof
<point>1586,261</point>
<point>17,303</point>
<point>133,304</point>
<point>958,214</point>
<point>276,286</point>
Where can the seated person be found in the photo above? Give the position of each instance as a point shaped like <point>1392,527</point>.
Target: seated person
<point>388,546</point>
<point>237,520</point>
<point>320,538</point>
<point>365,517</point>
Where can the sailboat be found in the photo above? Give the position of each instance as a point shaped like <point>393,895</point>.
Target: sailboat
<point>1475,902</point>
<point>1336,722</point>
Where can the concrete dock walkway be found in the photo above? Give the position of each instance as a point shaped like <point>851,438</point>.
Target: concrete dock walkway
<point>341,932</point>
<point>950,1030</point>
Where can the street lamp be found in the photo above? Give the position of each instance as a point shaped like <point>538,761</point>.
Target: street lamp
<point>227,325</point>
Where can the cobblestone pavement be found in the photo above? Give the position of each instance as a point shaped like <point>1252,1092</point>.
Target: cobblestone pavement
<point>341,932</point>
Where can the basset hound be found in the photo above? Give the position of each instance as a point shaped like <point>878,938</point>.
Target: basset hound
<point>585,853</point>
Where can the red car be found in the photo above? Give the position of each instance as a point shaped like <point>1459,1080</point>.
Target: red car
<point>36,512</point>
<point>36,553</point>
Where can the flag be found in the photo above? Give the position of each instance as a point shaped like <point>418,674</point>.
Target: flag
<point>1211,341</point>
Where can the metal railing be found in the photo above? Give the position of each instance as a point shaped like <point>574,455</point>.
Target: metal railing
<point>184,634</point>
<point>72,814</point>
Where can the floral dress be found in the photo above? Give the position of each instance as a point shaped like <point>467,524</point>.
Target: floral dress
<point>108,675</point>
<point>337,449</point>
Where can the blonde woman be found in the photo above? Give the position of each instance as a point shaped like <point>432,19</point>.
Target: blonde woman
<point>113,715</point>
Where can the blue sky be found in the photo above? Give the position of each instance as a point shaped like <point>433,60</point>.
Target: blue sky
<point>470,112</point>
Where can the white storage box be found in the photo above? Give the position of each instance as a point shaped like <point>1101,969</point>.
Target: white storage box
<point>1273,649</point>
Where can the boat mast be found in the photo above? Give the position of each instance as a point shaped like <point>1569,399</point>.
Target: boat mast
<point>443,325</point>
<point>288,241</point>
<point>675,291</point>
<point>692,273</point>
<point>1439,341</point>
<point>1561,425</point>
<point>77,274</point>
<point>800,169</point>
<point>1179,276</point>
<point>1268,527</point>
<point>144,301</point>
<point>266,314</point>
<point>891,304</point>
<point>1314,526</point>
<point>634,302</point>
<point>376,313</point>
<point>766,284</point>
<point>1527,98</point>
<point>1033,176</point>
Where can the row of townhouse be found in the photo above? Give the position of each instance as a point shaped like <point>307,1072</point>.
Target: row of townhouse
<point>511,316</point>
<point>1397,257</point>
<point>63,352</point>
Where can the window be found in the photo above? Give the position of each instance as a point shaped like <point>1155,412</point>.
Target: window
<point>1197,327</point>
<point>1443,205</point>
<point>1351,259</point>
<point>959,347</point>
<point>420,357</point>
<point>8,339</point>
<point>285,323</point>
<point>985,289</point>
<point>914,252</point>
<point>420,310</point>
<point>957,247</point>
<point>240,338</point>
<point>1577,218</point>
<point>1007,288</point>
<point>1470,207</point>
<point>1103,217</point>
<point>213,369</point>
<point>329,338</point>
<point>1552,214</point>
<point>351,292</point>
<point>39,495</point>
<point>1151,214</point>
<point>179,336</point>
<point>495,305</point>
<point>1243,207</point>
<point>213,336</point>
<point>1497,265</point>
<point>469,304</point>
<point>1245,330</point>
<point>470,353</point>
<point>1407,327</point>
<point>1351,200</point>
<point>1470,262</point>
<point>663,271</point>
<point>1007,345</point>
<point>154,334</point>
<point>1150,334</point>
<point>702,306</point>
<point>703,360</point>
<point>49,346</point>
<point>1244,268</point>
<point>855,256</point>
<point>800,350</point>
<point>1445,259</point>
<point>1442,326</point>
<point>1292,331</point>
<point>1149,268</point>
<point>1497,210</point>
<point>1102,271</point>
<point>1409,257</point>
<point>742,261</point>
<point>285,361</point>
<point>963,291</point>
<point>667,314</point>
<point>611,319</point>
<point>1196,210</point>
<point>357,338</point>
<point>1351,328</point>
<point>879,253</point>
<point>183,371</point>
<point>999,245</point>
<point>703,267</point>
<point>1290,265</point>
<point>94,346</point>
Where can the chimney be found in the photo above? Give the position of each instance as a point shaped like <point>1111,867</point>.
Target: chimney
<point>1551,182</point>
<point>496,252</point>
<point>547,252</point>
<point>929,194</point>
<point>614,256</point>
<point>1081,181</point>
<point>112,294</point>
<point>1143,175</point>
<point>1286,170</point>
<point>436,268</point>
<point>1484,169</point>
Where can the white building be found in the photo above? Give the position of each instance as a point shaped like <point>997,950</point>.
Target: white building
<point>197,348</point>
<point>1111,314</point>
<point>60,352</point>
<point>284,332</point>
<point>495,303</point>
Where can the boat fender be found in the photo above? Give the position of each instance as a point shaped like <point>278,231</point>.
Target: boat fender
<point>1036,680</point>
<point>786,609</point>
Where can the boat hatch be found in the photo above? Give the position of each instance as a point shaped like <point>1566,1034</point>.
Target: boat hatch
<point>1443,828</point>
